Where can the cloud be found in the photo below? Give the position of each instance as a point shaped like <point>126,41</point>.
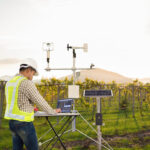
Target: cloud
<point>8,61</point>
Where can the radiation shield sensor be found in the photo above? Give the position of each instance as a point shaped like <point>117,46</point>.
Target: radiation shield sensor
<point>98,93</point>
<point>48,47</point>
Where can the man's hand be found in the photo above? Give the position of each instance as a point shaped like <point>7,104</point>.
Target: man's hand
<point>58,110</point>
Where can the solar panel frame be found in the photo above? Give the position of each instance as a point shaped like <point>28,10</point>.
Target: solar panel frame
<point>98,93</point>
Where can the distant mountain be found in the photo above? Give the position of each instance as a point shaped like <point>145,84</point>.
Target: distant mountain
<point>144,80</point>
<point>101,75</point>
<point>5,78</point>
<point>94,74</point>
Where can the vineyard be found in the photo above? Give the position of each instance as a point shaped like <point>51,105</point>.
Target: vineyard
<point>126,115</point>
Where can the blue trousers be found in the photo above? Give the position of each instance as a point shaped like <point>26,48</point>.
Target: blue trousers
<point>23,133</point>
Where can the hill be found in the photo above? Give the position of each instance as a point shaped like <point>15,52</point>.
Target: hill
<point>145,80</point>
<point>5,78</point>
<point>101,75</point>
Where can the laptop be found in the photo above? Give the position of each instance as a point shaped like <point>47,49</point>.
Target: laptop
<point>65,105</point>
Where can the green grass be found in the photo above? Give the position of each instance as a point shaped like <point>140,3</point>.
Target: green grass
<point>117,123</point>
<point>5,136</point>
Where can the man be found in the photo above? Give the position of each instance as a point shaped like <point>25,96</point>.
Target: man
<point>21,95</point>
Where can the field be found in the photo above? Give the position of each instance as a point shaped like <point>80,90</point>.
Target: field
<point>121,131</point>
<point>126,120</point>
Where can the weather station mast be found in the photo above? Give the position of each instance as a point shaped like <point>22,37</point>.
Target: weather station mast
<point>73,93</point>
<point>73,90</point>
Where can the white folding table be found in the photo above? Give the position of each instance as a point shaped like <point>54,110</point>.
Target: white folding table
<point>71,117</point>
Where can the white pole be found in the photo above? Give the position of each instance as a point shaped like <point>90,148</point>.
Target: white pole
<point>49,69</point>
<point>98,127</point>
<point>74,79</point>
<point>74,66</point>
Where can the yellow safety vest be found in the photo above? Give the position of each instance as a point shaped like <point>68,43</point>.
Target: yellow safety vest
<point>12,111</point>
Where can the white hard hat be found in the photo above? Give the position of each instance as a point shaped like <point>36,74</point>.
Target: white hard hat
<point>29,62</point>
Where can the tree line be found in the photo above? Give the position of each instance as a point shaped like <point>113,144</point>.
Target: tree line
<point>132,97</point>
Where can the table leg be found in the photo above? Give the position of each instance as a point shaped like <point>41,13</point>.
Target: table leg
<point>64,129</point>
<point>56,134</point>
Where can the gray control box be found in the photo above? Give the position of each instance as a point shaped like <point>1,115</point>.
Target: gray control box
<point>98,119</point>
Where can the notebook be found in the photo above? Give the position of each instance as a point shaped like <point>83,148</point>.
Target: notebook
<point>65,105</point>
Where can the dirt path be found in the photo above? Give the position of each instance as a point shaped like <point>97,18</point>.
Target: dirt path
<point>139,139</point>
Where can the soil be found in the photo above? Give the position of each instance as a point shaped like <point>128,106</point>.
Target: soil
<point>139,139</point>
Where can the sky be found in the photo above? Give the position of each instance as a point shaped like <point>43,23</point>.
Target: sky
<point>117,33</point>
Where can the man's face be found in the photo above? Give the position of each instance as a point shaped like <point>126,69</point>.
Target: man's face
<point>30,73</point>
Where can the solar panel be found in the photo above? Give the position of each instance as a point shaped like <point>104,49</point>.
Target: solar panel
<point>97,93</point>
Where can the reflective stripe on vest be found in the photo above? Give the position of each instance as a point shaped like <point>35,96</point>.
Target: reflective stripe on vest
<point>11,92</point>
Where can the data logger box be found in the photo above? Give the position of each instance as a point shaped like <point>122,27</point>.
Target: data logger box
<point>73,91</point>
